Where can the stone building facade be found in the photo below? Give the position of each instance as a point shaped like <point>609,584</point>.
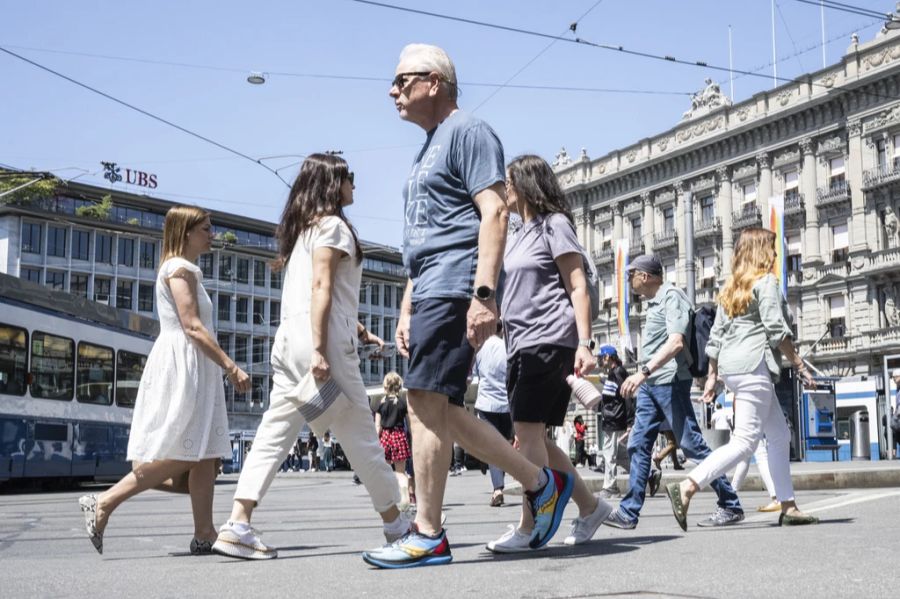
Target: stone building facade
<point>828,143</point>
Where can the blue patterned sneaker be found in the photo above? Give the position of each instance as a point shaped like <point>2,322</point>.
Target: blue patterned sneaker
<point>411,550</point>
<point>548,504</point>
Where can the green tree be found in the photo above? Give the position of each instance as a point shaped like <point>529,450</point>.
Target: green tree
<point>30,190</point>
<point>98,211</point>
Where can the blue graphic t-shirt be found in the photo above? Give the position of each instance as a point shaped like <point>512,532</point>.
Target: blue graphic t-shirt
<point>461,157</point>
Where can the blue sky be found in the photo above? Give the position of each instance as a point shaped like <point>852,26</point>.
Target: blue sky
<point>49,123</point>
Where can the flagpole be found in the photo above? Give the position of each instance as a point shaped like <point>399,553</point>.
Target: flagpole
<point>730,64</point>
<point>822,19</point>
<point>774,54</point>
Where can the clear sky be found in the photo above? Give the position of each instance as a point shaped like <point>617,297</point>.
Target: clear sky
<point>120,48</point>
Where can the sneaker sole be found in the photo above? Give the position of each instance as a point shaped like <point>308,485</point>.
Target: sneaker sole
<point>511,550</point>
<point>558,510</point>
<point>241,551</point>
<point>431,560</point>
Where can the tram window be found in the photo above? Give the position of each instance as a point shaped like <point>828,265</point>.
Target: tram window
<point>52,365</point>
<point>95,374</point>
<point>129,367</point>
<point>13,359</point>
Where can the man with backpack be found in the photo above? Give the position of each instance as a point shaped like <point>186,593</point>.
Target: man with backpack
<point>663,388</point>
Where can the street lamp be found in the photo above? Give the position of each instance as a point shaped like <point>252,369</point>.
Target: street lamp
<point>893,20</point>
<point>256,78</point>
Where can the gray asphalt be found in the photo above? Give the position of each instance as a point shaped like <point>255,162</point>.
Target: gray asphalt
<point>320,523</point>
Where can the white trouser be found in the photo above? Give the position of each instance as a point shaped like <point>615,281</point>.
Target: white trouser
<point>756,413</point>
<point>349,419</point>
<point>609,451</point>
<point>762,464</point>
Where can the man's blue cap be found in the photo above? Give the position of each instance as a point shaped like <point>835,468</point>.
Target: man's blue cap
<point>607,350</point>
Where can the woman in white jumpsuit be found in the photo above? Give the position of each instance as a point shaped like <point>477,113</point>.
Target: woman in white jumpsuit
<point>314,358</point>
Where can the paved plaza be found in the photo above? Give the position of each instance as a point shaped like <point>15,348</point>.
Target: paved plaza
<point>321,522</point>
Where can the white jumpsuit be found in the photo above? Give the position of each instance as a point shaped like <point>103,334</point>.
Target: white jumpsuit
<point>349,417</point>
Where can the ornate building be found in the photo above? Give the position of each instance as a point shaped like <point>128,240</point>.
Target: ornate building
<point>828,143</point>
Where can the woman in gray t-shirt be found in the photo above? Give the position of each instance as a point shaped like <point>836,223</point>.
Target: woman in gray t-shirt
<point>546,315</point>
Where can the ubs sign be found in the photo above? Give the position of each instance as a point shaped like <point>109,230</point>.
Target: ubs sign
<point>113,174</point>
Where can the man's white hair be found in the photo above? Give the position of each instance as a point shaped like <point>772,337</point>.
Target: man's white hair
<point>432,58</point>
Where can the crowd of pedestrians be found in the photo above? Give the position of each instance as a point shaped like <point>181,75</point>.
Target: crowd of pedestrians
<point>458,199</point>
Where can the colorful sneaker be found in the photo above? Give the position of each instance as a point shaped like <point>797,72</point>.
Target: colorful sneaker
<point>512,541</point>
<point>232,542</point>
<point>413,549</point>
<point>547,505</point>
<point>722,517</point>
<point>583,529</point>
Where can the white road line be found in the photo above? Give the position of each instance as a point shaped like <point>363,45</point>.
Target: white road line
<point>859,497</point>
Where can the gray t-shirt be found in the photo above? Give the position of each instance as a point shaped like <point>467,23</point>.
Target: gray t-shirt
<point>461,157</point>
<point>668,312</point>
<point>536,308</point>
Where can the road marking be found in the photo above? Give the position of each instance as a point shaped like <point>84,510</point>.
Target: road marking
<point>852,499</point>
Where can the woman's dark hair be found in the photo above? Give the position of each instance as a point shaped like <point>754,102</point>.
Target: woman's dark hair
<point>579,419</point>
<point>316,193</point>
<point>533,180</point>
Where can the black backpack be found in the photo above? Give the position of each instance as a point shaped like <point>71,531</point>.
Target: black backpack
<point>702,320</point>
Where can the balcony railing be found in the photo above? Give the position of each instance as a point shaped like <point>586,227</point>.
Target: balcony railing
<point>748,216</point>
<point>707,227</point>
<point>837,192</point>
<point>793,203</point>
<point>636,248</point>
<point>834,345</point>
<point>665,239</point>
<point>705,295</point>
<point>883,174</point>
<point>885,260</point>
<point>603,255</point>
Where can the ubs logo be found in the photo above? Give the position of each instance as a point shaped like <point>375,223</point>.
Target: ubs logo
<point>112,173</point>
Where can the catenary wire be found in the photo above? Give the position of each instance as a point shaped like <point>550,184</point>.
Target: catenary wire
<point>847,8</point>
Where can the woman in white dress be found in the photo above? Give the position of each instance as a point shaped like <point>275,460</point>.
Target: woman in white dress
<point>179,426</point>
<point>315,361</point>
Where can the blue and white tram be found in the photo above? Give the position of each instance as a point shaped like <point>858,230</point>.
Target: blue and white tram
<point>69,374</point>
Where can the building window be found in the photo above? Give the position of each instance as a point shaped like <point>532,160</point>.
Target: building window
<point>243,270</point>
<point>224,307</point>
<point>258,391</point>
<point>836,316</point>
<point>605,238</point>
<point>389,329</point>
<point>102,288</point>
<point>240,311</point>
<point>259,311</point>
<point>225,272</point>
<point>791,184</point>
<point>374,297</point>
<point>81,244</point>
<point>79,284</point>
<point>126,251</point>
<point>670,272</point>
<point>31,238</point>
<point>103,249</point>
<point>145,297</point>
<point>668,214</point>
<point>148,254</point>
<point>124,294</point>
<point>259,350</point>
<point>224,341</point>
<point>794,257</point>
<point>708,272</point>
<point>707,209</point>
<point>274,313</point>
<point>259,273</point>
<point>206,265</point>
<point>896,155</point>
<point>363,293</point>
<point>388,300</point>
<point>881,152</point>
<point>240,348</point>
<point>32,275</point>
<point>398,297</point>
<point>375,325</point>
<point>748,197</point>
<point>635,231</point>
<point>275,280</point>
<point>56,279</point>
<point>840,245</point>
<point>836,175</point>
<point>56,241</point>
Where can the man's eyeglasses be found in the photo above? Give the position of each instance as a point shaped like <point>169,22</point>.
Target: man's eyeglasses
<point>400,80</point>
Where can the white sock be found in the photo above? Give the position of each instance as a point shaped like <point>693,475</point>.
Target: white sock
<point>239,527</point>
<point>399,525</point>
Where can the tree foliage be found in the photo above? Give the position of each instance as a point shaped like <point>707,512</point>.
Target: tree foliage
<point>38,190</point>
<point>99,211</point>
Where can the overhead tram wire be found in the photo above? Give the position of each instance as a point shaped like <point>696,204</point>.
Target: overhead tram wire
<point>847,8</point>
<point>620,49</point>
<point>144,112</point>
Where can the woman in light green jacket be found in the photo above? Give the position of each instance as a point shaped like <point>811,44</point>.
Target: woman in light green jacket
<point>751,331</point>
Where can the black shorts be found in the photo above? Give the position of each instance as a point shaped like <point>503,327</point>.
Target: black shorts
<point>440,355</point>
<point>536,383</point>
<point>499,420</point>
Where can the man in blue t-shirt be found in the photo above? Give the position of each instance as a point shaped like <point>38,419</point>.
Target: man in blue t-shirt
<point>454,236</point>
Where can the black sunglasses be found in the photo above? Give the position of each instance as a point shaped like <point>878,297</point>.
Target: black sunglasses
<point>400,80</point>
<point>350,177</point>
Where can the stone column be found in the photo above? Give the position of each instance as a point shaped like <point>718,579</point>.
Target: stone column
<point>649,222</point>
<point>617,221</point>
<point>764,191</point>
<point>681,264</point>
<point>858,226</point>
<point>725,208</point>
<point>811,253</point>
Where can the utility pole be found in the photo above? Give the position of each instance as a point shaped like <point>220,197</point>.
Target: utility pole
<point>689,244</point>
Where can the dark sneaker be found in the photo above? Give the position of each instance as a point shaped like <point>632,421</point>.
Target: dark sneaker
<point>722,517</point>
<point>411,550</point>
<point>618,520</point>
<point>653,482</point>
<point>548,504</point>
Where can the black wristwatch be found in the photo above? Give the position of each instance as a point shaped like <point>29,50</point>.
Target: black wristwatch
<point>484,293</point>
<point>645,371</point>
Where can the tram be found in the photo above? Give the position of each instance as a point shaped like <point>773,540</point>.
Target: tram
<point>69,375</point>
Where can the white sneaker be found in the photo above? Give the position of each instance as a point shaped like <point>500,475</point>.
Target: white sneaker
<point>512,541</point>
<point>247,545</point>
<point>583,529</point>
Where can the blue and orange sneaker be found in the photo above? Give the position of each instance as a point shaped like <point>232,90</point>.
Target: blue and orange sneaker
<point>411,550</point>
<point>548,504</point>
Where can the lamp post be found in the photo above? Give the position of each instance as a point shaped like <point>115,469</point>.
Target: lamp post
<point>893,19</point>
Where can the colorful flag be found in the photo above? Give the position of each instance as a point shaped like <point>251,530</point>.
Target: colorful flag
<point>623,291</point>
<point>776,225</point>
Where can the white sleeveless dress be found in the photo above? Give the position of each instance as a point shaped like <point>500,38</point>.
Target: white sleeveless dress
<point>180,411</point>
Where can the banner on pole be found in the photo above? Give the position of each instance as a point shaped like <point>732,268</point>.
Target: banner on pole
<point>776,225</point>
<point>623,292</point>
